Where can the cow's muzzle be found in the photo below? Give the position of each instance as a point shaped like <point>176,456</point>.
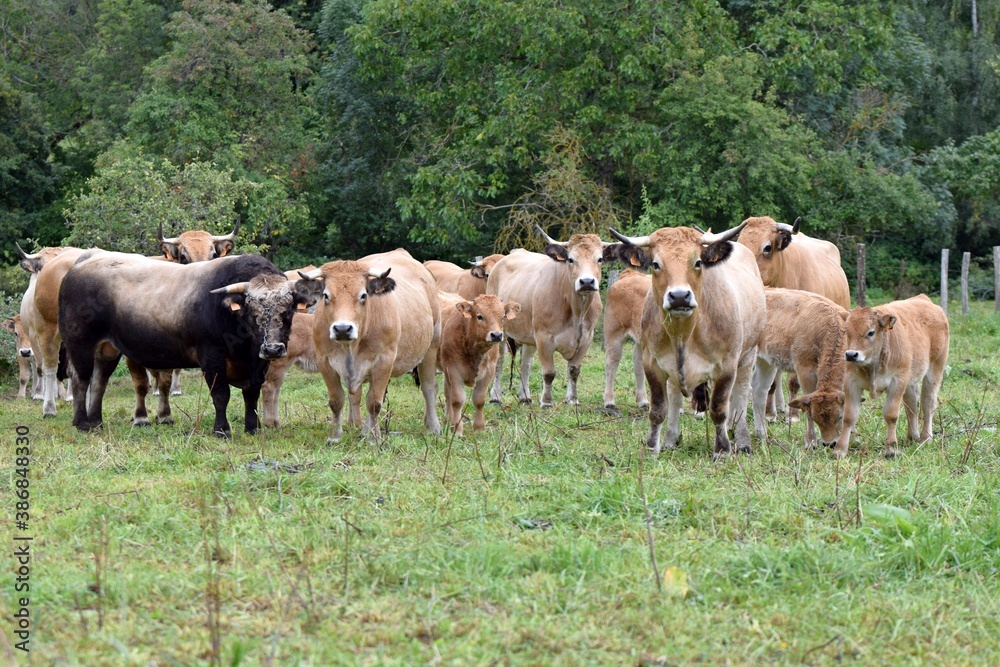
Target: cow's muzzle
<point>272,351</point>
<point>854,356</point>
<point>343,332</point>
<point>586,285</point>
<point>25,352</point>
<point>495,337</point>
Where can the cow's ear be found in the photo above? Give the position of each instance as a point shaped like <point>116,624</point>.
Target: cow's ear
<point>382,284</point>
<point>801,403</point>
<point>844,314</point>
<point>886,322</point>
<point>31,265</point>
<point>8,324</point>
<point>511,309</point>
<point>479,272</point>
<point>233,302</point>
<point>557,252</point>
<point>840,398</point>
<point>307,291</point>
<point>630,256</point>
<point>464,307</point>
<point>170,251</point>
<point>223,248</point>
<point>784,240</point>
<point>716,253</point>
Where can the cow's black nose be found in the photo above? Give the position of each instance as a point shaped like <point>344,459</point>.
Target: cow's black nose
<point>272,351</point>
<point>25,353</point>
<point>679,298</point>
<point>496,336</point>
<point>588,284</point>
<point>851,355</point>
<point>344,329</point>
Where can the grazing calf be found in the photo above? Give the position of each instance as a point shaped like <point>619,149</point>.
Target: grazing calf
<point>701,322</point>
<point>623,318</point>
<point>467,283</point>
<point>560,306</point>
<point>301,351</point>
<point>804,333</point>
<point>27,369</point>
<point>370,327</point>
<point>900,348</point>
<point>471,334</point>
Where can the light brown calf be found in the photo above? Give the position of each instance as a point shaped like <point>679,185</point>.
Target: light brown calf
<point>623,318</point>
<point>27,369</point>
<point>804,334</point>
<point>301,351</point>
<point>901,349</point>
<point>471,333</point>
<point>467,283</point>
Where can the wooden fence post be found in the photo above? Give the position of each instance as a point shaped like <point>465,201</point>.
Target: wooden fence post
<point>996,276</point>
<point>862,276</point>
<point>612,277</point>
<point>944,280</point>
<point>965,283</point>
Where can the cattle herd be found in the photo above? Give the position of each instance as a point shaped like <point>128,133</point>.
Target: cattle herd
<point>714,317</point>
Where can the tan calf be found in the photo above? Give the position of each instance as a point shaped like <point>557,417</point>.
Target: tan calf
<point>370,327</point>
<point>27,369</point>
<point>467,283</point>
<point>301,351</point>
<point>623,318</point>
<point>901,349</point>
<point>471,334</point>
<point>804,333</point>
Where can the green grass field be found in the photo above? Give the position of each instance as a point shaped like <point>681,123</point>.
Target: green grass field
<point>527,544</point>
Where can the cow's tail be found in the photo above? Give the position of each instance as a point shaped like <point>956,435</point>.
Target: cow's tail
<point>416,376</point>
<point>62,370</point>
<point>513,347</point>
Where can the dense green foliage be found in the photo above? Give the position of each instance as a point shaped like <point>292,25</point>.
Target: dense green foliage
<point>452,127</point>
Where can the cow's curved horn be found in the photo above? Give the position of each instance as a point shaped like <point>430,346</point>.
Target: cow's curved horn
<point>631,240</point>
<point>791,229</point>
<point>230,236</point>
<point>311,275</point>
<point>473,263</point>
<point>549,238</point>
<point>374,273</point>
<point>708,238</point>
<point>700,230</point>
<point>235,288</point>
<point>159,237</point>
<point>26,255</point>
<point>796,225</point>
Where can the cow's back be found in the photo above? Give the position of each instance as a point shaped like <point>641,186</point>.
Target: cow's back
<point>797,324</point>
<point>521,277</point>
<point>813,265</point>
<point>920,336</point>
<point>625,300</point>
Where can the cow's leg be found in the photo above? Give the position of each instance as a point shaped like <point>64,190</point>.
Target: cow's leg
<point>271,390</point>
<point>454,393</point>
<point>354,405</point>
<point>738,401</point>
<point>335,392</point>
<point>427,372</point>
<point>36,374</point>
<point>718,408</point>
<point>49,346</point>
<point>82,369</point>
<point>163,406</point>
<point>527,356</point>
<point>613,357</point>
<point>218,387</point>
<point>657,408</point>
<point>495,390</point>
<point>140,385</point>
<point>105,362</point>
<point>379,383</point>
<point>911,403</point>
<point>809,380</point>
<point>175,382</point>
<point>761,383</point>
<point>640,379</point>
<point>23,375</point>
<point>793,391</point>
<point>479,401</point>
<point>928,402</point>
<point>852,408</point>
<point>251,395</point>
<point>546,358</point>
<point>890,412</point>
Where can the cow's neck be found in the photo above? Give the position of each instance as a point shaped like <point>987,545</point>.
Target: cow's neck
<point>832,364</point>
<point>679,331</point>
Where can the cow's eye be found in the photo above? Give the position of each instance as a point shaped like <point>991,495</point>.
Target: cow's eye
<point>363,297</point>
<point>871,333</point>
<point>479,317</point>
<point>571,260</point>
<point>656,265</point>
<point>697,263</point>
<point>326,297</point>
<point>600,260</point>
<point>767,249</point>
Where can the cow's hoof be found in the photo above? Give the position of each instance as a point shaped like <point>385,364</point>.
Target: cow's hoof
<point>524,401</point>
<point>611,410</point>
<point>721,455</point>
<point>892,452</point>
<point>643,405</point>
<point>165,421</point>
<point>494,401</point>
<point>140,421</point>
<point>225,435</point>
<point>698,415</point>
<point>176,392</point>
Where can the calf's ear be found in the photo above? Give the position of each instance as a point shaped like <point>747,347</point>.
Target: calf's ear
<point>801,403</point>
<point>886,322</point>
<point>8,324</point>
<point>784,240</point>
<point>557,252</point>
<point>223,248</point>
<point>170,251</point>
<point>465,308</point>
<point>479,272</point>
<point>510,310</point>
<point>716,253</point>
<point>630,256</point>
